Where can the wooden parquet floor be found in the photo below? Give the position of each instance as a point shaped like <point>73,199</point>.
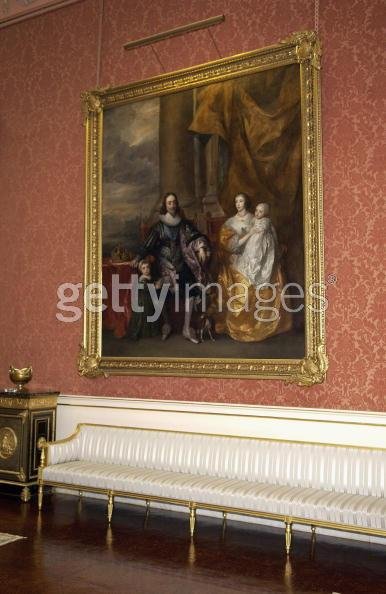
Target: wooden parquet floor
<point>70,550</point>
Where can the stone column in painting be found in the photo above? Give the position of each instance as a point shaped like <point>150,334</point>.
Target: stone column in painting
<point>189,162</point>
<point>211,205</point>
<point>177,160</point>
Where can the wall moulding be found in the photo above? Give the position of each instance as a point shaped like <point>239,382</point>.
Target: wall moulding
<point>291,423</point>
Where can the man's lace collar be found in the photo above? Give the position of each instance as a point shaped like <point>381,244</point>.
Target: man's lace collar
<point>168,219</point>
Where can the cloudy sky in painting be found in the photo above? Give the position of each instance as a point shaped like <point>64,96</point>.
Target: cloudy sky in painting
<point>130,170</point>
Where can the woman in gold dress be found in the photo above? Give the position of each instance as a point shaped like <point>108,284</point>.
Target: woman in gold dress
<point>247,313</point>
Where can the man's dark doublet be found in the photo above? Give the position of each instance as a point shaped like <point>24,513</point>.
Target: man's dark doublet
<point>164,241</point>
<point>174,247</point>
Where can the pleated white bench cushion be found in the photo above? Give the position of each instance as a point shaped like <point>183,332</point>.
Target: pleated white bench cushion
<point>302,502</point>
<point>356,471</point>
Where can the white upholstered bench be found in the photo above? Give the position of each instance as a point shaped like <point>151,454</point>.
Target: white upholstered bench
<point>337,487</point>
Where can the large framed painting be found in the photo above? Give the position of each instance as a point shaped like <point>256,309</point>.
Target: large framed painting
<point>204,235</point>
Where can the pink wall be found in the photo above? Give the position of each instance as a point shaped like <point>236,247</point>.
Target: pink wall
<point>47,61</point>
<point>17,10</point>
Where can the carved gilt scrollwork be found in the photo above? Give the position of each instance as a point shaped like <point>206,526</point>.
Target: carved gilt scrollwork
<point>316,55</point>
<point>313,369</point>
<point>91,104</point>
<point>8,442</point>
<point>88,365</point>
<point>92,101</point>
<point>308,47</point>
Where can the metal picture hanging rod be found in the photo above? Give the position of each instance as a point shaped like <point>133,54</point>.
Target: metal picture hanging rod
<point>176,31</point>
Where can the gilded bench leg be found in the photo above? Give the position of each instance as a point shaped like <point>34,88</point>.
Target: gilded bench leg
<point>40,476</point>
<point>147,513</point>
<point>110,506</point>
<point>313,538</point>
<point>192,553</point>
<point>40,496</point>
<point>109,537</point>
<point>288,575</point>
<point>224,524</point>
<point>288,536</point>
<point>192,518</point>
<point>25,494</point>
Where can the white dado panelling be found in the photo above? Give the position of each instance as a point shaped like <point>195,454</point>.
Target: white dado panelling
<point>300,424</point>
<point>303,424</point>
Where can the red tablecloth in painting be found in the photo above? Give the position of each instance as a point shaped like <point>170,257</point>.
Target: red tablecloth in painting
<point>113,320</point>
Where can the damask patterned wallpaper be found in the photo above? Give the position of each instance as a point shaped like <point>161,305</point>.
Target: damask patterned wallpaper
<point>12,11</point>
<point>48,60</point>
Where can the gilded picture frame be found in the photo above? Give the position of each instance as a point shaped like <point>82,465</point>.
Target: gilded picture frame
<point>280,79</point>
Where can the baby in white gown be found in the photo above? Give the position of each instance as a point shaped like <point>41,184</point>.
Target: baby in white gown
<point>257,260</point>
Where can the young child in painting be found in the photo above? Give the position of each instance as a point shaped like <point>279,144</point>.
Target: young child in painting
<point>260,254</point>
<point>139,326</point>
